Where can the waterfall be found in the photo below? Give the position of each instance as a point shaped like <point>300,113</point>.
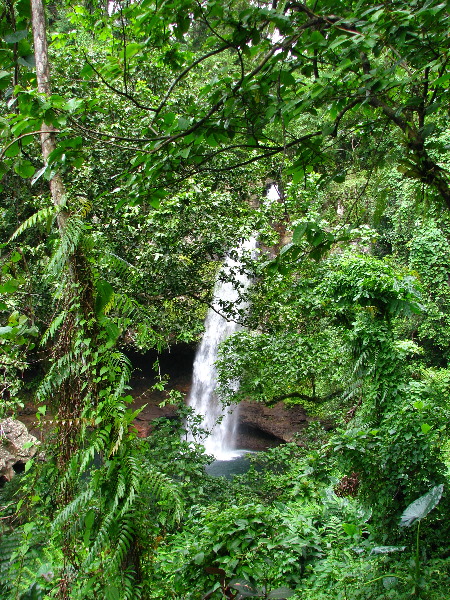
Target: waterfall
<point>203,399</point>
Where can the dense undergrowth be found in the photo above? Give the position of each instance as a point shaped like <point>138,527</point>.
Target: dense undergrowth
<point>292,526</point>
<point>169,120</point>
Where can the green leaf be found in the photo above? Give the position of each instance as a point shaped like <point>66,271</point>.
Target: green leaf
<point>27,61</point>
<point>73,104</point>
<point>442,79</point>
<point>419,509</point>
<point>317,38</point>
<point>425,427</point>
<point>281,593</point>
<point>299,232</point>
<point>351,529</point>
<point>87,72</point>
<point>9,286</point>
<point>13,38</point>
<point>112,593</point>
<point>13,150</point>
<point>244,588</point>
<point>5,79</point>
<point>104,294</point>
<point>24,168</point>
<point>287,78</point>
<point>88,523</point>
<point>198,558</point>
<point>132,49</point>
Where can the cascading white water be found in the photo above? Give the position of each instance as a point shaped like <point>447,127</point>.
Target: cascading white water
<point>203,399</point>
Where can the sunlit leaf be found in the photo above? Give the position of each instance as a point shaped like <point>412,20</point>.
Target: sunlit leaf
<point>420,508</point>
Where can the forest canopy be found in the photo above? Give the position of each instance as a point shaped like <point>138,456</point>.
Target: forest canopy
<point>140,143</point>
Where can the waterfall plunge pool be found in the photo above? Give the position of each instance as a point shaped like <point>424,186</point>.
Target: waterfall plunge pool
<point>236,462</point>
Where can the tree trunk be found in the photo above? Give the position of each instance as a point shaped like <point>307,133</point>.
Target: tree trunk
<point>78,296</point>
<point>48,136</point>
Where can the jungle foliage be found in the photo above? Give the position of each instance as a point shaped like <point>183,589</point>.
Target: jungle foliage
<point>128,171</point>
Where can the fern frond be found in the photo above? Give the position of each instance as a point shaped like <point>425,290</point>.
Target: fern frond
<point>165,492</point>
<point>53,327</point>
<point>42,215</point>
<point>85,208</point>
<point>130,589</point>
<point>121,266</point>
<point>120,432</point>
<point>100,541</point>
<point>66,366</point>
<point>124,542</point>
<point>69,242</point>
<point>73,509</point>
<point>126,306</point>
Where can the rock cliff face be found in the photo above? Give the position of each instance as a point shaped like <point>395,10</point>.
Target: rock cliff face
<point>278,421</point>
<point>17,447</point>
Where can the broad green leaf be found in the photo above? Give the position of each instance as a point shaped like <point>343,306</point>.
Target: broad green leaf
<point>27,61</point>
<point>419,509</point>
<point>287,78</point>
<point>73,104</point>
<point>9,286</point>
<point>442,79</point>
<point>5,79</point>
<point>299,232</point>
<point>112,593</point>
<point>351,529</point>
<point>105,293</point>
<point>87,72</point>
<point>13,38</point>
<point>285,249</point>
<point>281,593</point>
<point>387,549</point>
<point>13,150</point>
<point>24,168</point>
<point>244,588</point>
<point>132,49</point>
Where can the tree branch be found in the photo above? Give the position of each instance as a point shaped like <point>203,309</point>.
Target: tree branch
<point>116,90</point>
<point>185,72</point>
<point>39,131</point>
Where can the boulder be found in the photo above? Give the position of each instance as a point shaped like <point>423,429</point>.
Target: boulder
<point>17,447</point>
